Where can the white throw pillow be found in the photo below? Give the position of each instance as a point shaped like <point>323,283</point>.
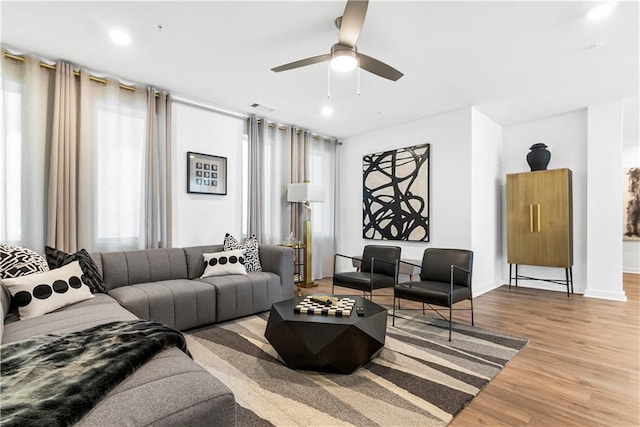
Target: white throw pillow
<point>221,263</point>
<point>41,293</point>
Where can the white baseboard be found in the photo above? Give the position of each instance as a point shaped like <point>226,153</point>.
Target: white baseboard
<point>613,296</point>
<point>483,289</point>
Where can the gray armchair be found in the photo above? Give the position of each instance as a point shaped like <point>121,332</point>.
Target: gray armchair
<point>379,269</point>
<point>445,279</point>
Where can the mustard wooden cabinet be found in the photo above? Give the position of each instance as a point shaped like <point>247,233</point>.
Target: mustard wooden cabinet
<point>539,222</point>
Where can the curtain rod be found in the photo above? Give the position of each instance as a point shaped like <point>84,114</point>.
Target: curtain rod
<point>75,73</point>
<point>185,101</point>
<point>175,98</point>
<point>298,131</point>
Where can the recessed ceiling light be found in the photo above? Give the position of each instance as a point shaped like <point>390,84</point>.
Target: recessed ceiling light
<point>326,111</point>
<point>601,11</point>
<point>119,37</point>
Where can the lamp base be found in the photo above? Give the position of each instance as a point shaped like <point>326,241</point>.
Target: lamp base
<point>308,281</point>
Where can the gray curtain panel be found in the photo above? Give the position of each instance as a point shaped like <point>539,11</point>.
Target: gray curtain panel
<point>299,156</point>
<point>255,134</point>
<point>269,174</point>
<point>62,200</point>
<point>157,167</point>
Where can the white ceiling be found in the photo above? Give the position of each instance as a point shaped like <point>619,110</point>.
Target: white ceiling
<point>514,61</point>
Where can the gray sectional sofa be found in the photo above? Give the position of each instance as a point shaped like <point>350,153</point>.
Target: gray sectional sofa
<point>165,285</point>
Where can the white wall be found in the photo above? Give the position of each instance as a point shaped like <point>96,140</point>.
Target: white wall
<point>486,201</point>
<point>566,137</point>
<point>200,219</point>
<point>450,181</point>
<point>630,248</point>
<point>604,220</point>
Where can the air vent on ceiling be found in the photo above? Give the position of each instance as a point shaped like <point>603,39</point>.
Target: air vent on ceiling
<point>262,107</point>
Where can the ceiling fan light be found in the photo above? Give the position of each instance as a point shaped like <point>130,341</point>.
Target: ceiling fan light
<point>343,61</point>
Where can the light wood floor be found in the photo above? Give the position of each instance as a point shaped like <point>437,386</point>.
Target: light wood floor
<point>580,367</point>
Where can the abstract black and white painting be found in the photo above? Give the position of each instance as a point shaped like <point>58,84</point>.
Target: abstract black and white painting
<point>395,199</point>
<point>631,208</point>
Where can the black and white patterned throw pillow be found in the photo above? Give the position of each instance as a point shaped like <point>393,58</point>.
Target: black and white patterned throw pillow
<point>91,275</point>
<point>16,262</point>
<point>252,255</point>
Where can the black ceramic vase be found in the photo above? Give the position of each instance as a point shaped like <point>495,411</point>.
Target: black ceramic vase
<point>538,158</point>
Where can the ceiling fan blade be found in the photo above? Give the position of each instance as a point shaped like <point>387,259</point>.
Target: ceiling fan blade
<point>352,22</point>
<point>379,68</point>
<point>302,63</point>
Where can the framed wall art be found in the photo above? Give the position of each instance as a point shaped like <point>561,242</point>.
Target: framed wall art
<point>631,207</point>
<point>206,174</point>
<point>395,194</point>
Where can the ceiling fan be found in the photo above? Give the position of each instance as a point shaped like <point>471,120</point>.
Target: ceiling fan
<point>344,55</point>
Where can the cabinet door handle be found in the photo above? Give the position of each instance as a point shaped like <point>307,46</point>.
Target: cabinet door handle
<point>530,218</point>
<point>538,205</point>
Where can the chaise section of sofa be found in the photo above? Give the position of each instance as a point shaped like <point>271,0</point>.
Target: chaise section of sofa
<point>170,389</point>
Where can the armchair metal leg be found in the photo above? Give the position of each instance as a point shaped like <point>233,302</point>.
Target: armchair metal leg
<point>393,318</point>
<point>423,309</point>
<point>472,324</point>
<point>450,319</point>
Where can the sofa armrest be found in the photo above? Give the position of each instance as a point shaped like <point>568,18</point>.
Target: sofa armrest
<point>278,260</point>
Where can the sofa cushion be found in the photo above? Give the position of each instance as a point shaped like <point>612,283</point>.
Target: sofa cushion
<point>240,295</point>
<point>225,262</point>
<point>100,309</point>
<point>193,254</point>
<point>181,304</point>
<point>41,293</point>
<point>16,261</point>
<point>252,254</point>
<point>143,266</point>
<point>169,390</point>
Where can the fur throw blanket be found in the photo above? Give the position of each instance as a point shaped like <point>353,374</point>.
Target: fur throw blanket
<point>54,380</point>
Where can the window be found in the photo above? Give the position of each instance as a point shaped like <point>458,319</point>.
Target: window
<point>10,162</point>
<point>119,140</point>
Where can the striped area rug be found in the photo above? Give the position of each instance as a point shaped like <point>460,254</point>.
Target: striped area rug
<point>419,379</point>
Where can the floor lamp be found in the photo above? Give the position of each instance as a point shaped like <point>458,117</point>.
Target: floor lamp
<point>306,193</point>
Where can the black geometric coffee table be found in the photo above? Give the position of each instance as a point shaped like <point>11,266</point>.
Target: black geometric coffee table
<point>327,343</point>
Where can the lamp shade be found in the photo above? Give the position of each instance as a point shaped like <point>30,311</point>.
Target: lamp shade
<point>305,192</point>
